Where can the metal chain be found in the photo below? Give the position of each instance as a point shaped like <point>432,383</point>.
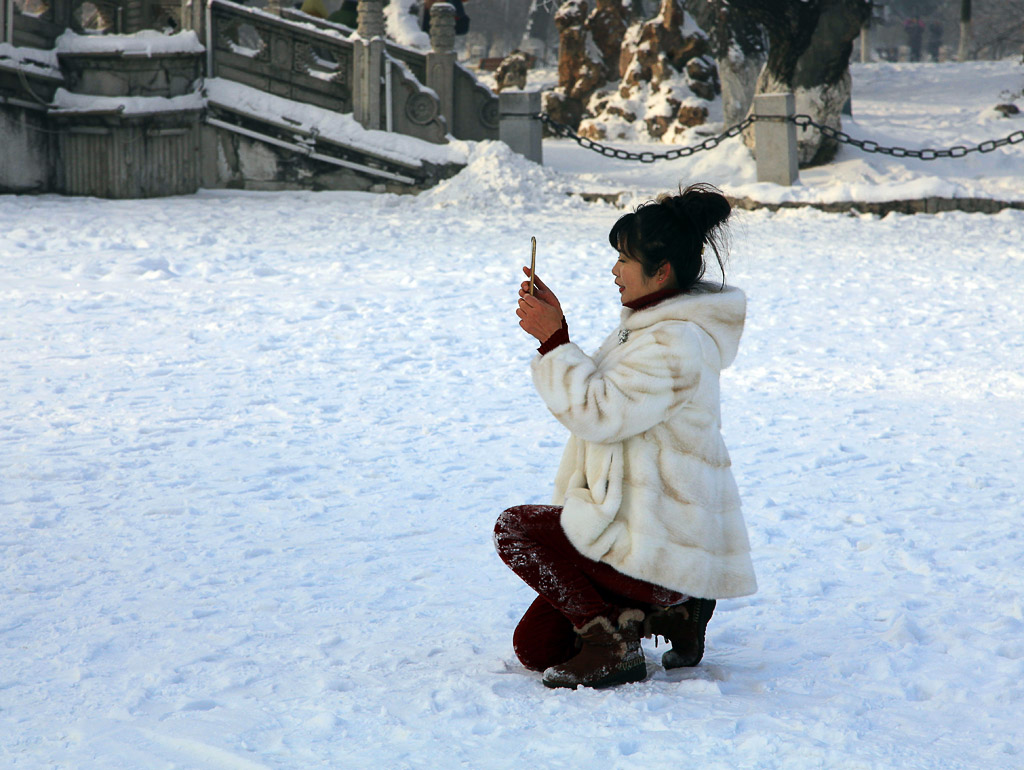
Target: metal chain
<point>928,153</point>
<point>644,157</point>
<point>801,121</point>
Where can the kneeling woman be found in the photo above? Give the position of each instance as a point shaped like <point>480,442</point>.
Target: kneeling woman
<point>645,531</point>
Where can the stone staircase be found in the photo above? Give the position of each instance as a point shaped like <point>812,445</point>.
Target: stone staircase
<point>240,97</point>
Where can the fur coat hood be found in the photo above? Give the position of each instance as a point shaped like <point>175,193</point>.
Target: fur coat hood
<point>645,482</point>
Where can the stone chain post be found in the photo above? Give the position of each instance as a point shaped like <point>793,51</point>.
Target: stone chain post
<point>520,128</point>
<point>368,60</point>
<point>775,140</point>
<point>441,59</point>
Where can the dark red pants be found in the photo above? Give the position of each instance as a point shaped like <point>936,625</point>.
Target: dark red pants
<point>573,589</point>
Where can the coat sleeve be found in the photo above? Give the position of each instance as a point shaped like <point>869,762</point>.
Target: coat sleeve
<point>632,388</point>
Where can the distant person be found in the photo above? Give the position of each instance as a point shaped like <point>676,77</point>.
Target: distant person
<point>915,37</point>
<point>935,31</point>
<point>645,531</point>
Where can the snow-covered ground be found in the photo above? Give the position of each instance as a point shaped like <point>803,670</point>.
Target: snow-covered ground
<point>252,447</point>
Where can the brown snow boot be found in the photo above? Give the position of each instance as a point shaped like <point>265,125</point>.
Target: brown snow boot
<point>684,626</point>
<point>610,654</point>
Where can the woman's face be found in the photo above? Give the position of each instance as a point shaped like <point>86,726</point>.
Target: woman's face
<point>630,278</point>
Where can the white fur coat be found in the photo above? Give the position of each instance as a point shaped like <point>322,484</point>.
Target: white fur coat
<point>645,480</point>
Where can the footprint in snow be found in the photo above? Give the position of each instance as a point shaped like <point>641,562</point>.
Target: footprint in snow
<point>626,748</point>
<point>200,705</point>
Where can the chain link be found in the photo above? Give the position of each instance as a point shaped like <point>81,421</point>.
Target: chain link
<point>710,143</point>
<point>800,121</point>
<point>927,153</point>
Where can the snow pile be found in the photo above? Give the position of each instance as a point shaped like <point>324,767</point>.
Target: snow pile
<point>497,177</point>
<point>404,27</point>
<point>35,61</point>
<point>65,101</point>
<point>147,42</point>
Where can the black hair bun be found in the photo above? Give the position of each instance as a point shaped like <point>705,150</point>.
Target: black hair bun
<point>701,206</point>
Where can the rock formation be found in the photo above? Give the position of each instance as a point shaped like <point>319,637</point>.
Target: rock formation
<point>620,80</point>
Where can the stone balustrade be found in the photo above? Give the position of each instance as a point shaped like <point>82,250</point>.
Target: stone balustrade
<point>38,23</point>
<point>384,86</point>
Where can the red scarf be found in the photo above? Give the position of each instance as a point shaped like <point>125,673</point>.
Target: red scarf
<point>651,299</point>
<point>561,337</point>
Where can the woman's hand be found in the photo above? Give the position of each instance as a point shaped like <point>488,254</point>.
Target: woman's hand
<point>541,314</point>
<point>540,291</point>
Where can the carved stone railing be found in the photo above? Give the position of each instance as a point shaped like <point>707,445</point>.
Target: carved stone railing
<point>96,99</point>
<point>386,86</point>
<point>264,51</point>
<point>414,59</point>
<point>468,108</point>
<point>38,23</point>
<point>34,23</point>
<point>320,65</point>
<point>476,108</point>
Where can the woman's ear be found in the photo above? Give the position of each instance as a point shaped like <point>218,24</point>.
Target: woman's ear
<point>664,272</point>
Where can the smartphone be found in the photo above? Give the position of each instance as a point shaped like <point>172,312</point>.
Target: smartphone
<point>533,261</point>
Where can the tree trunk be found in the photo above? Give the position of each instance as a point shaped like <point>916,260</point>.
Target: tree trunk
<point>739,45</point>
<point>809,54</point>
<point>540,35</point>
<point>964,50</point>
<point>738,77</point>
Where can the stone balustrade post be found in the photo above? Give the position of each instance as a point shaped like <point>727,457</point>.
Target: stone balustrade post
<point>193,17</point>
<point>441,59</point>
<point>130,18</point>
<point>62,13</point>
<point>775,140</point>
<point>520,128</point>
<point>368,66</point>
<point>7,21</point>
